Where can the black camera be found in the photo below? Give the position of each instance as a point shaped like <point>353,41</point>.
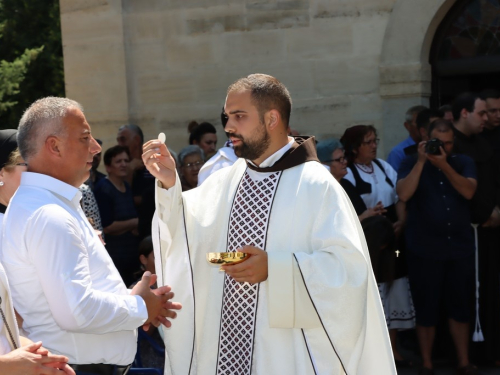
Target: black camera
<point>432,146</point>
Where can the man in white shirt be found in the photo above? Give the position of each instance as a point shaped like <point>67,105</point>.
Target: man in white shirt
<point>63,282</point>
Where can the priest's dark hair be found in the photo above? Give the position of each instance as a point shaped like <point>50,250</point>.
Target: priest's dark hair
<point>353,138</point>
<point>466,100</point>
<point>112,152</point>
<point>267,93</point>
<point>381,242</point>
<point>200,130</point>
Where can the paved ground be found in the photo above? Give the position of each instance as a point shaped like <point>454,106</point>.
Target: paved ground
<point>443,366</point>
<point>448,370</point>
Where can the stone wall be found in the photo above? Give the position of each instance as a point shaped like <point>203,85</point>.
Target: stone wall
<point>160,63</point>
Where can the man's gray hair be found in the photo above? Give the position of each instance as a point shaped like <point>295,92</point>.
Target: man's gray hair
<point>190,150</point>
<point>41,120</point>
<point>415,110</point>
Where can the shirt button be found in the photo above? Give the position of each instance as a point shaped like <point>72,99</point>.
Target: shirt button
<point>449,238</point>
<point>449,223</point>
<point>441,182</point>
<point>448,209</point>
<point>444,196</point>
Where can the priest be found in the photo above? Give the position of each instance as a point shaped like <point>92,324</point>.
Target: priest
<point>305,299</point>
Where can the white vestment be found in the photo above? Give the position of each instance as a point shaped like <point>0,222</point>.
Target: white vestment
<point>319,311</point>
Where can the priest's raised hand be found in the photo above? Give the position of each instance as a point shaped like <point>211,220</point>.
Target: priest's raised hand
<point>253,270</point>
<point>159,162</point>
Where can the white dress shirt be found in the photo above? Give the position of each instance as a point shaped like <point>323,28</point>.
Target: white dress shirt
<point>225,157</point>
<point>63,282</point>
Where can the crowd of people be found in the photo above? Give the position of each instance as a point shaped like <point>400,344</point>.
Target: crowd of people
<point>430,214</point>
<point>440,190</point>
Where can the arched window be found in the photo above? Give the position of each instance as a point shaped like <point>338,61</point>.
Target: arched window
<point>465,54</point>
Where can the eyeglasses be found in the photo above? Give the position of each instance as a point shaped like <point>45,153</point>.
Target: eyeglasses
<point>373,141</point>
<point>22,164</point>
<point>338,160</point>
<point>196,164</point>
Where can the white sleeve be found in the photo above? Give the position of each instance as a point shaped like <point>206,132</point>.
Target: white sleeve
<point>57,250</point>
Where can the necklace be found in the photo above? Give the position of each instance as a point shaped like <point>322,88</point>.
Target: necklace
<point>365,168</point>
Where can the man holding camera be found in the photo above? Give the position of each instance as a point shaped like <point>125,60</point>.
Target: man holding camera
<point>437,184</point>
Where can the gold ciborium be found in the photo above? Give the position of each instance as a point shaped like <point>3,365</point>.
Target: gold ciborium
<point>226,258</point>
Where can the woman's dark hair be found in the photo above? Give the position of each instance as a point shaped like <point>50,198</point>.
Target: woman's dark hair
<point>199,131</point>
<point>381,242</point>
<point>112,152</point>
<point>353,138</point>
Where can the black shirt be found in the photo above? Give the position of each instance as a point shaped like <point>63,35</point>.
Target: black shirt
<point>488,176</point>
<point>438,222</point>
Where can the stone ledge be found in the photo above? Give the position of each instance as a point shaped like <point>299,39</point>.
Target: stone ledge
<point>405,80</point>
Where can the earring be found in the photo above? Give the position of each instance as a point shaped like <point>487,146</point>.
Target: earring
<point>1,183</point>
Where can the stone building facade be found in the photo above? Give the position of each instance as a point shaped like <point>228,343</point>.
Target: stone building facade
<point>162,63</point>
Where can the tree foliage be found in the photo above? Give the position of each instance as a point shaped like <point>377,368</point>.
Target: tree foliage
<point>11,75</point>
<point>31,62</point>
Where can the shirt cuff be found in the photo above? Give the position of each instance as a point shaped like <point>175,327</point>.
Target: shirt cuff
<point>140,312</point>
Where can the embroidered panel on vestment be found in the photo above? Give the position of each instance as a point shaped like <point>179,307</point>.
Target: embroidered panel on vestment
<point>247,226</point>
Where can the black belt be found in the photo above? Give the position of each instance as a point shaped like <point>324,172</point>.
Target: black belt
<point>102,369</point>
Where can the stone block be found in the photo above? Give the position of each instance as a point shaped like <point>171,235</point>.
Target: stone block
<point>91,27</point>
<point>269,5</point>
<point>68,6</point>
<point>350,8</point>
<point>319,115</point>
<point>246,49</point>
<point>350,75</point>
<point>215,24</point>
<point>405,80</point>
<point>366,108</point>
<point>277,19</point>
<point>99,84</point>
<point>161,89</point>
<point>184,53</point>
<point>146,59</point>
<point>143,27</point>
<point>368,34</point>
<point>319,41</point>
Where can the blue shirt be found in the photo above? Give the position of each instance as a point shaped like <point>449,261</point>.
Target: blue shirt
<point>438,223</point>
<point>397,154</point>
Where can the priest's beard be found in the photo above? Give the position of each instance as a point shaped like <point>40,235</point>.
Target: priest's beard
<point>252,148</point>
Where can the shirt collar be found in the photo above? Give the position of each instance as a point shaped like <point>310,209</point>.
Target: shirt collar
<point>51,184</point>
<point>276,156</point>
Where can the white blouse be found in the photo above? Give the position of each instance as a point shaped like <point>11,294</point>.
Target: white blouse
<point>381,190</point>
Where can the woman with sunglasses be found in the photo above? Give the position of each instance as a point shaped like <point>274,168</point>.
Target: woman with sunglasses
<point>18,355</point>
<point>331,154</point>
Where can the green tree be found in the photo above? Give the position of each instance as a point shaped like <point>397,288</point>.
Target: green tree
<point>11,75</point>
<point>30,47</point>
